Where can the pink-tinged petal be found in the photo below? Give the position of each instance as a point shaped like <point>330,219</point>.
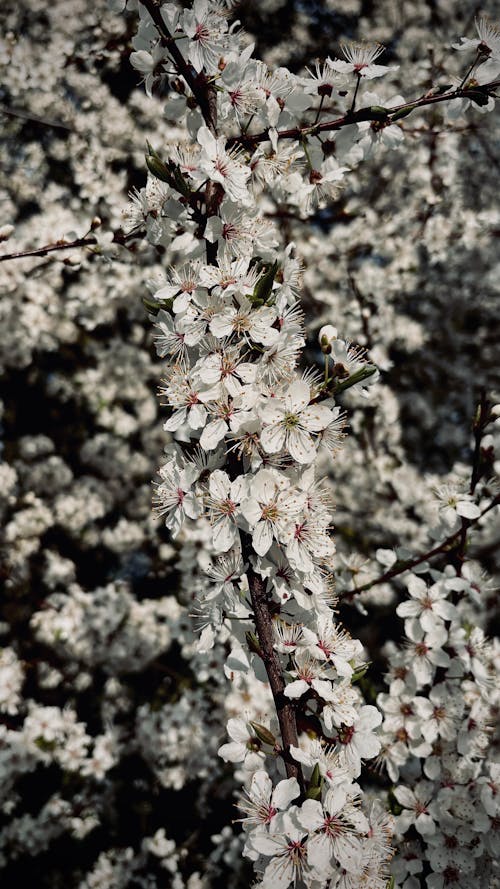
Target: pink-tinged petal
<point>296,689</point>
<point>262,538</point>
<point>301,446</point>
<point>272,438</point>
<point>285,792</point>
<point>315,417</point>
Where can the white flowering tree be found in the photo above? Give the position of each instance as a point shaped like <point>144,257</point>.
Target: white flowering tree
<point>249,425</point>
<point>254,414</point>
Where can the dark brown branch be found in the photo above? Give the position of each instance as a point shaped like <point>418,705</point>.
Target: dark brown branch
<point>373,114</point>
<point>264,626</point>
<point>197,83</point>
<point>51,248</point>
<point>443,547</point>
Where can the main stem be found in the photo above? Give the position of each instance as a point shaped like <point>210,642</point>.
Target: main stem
<point>264,626</point>
<point>206,97</point>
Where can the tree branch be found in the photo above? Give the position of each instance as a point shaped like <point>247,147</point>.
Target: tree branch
<point>51,248</point>
<point>197,83</point>
<point>381,115</point>
<point>400,568</point>
<point>264,626</point>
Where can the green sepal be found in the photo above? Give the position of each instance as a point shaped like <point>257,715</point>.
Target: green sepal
<point>403,112</point>
<point>154,306</point>
<point>166,171</point>
<point>264,285</point>
<point>358,377</point>
<point>315,784</point>
<point>360,672</point>
<point>264,734</point>
<point>380,111</point>
<point>157,168</point>
<point>253,643</point>
<point>394,806</point>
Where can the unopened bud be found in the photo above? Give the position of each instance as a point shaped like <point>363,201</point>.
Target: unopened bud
<point>253,643</point>
<point>264,734</point>
<point>96,223</point>
<point>327,334</point>
<point>5,232</point>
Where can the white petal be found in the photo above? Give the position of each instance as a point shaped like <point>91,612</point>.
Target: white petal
<point>212,434</point>
<point>315,417</point>
<point>296,689</point>
<point>468,510</point>
<point>219,484</point>
<point>223,535</point>
<point>311,815</point>
<point>272,438</point>
<point>301,446</point>
<point>232,752</point>
<point>285,792</point>
<point>262,538</point>
<point>298,396</point>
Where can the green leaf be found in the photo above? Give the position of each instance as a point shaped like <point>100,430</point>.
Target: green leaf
<point>264,285</point>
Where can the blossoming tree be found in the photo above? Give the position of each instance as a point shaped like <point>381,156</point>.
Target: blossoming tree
<point>342,779</point>
<point>249,425</point>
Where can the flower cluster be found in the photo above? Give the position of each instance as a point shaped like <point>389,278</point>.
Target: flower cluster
<point>118,670</point>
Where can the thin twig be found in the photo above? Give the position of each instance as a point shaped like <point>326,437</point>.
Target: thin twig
<point>299,133</point>
<point>51,248</point>
<point>443,547</point>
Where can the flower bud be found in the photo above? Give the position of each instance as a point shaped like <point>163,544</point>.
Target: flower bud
<point>264,734</point>
<point>327,334</point>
